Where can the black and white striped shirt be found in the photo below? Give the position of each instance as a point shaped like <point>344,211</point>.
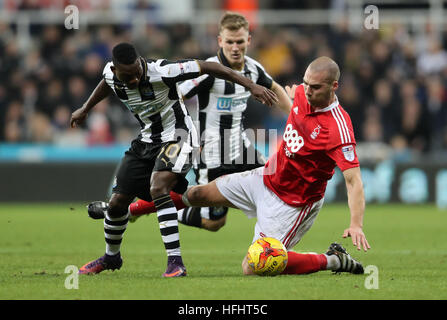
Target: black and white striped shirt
<point>221,107</point>
<point>155,103</point>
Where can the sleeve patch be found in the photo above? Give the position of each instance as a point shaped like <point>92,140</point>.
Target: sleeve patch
<point>348,152</point>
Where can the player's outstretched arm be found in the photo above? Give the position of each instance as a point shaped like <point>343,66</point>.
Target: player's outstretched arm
<point>260,93</point>
<point>356,202</point>
<point>101,91</point>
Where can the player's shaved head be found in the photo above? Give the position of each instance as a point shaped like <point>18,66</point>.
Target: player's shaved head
<point>320,82</point>
<point>326,64</point>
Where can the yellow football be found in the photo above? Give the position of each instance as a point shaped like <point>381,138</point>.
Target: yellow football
<point>267,257</point>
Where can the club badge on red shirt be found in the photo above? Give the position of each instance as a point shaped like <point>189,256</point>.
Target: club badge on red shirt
<point>348,152</point>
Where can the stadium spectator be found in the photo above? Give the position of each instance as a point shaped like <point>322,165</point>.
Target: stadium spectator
<point>414,125</point>
<point>52,96</point>
<point>64,135</point>
<point>385,102</point>
<point>275,54</point>
<point>50,46</point>
<point>433,60</point>
<point>16,126</point>
<point>99,130</point>
<point>372,130</point>
<point>437,110</point>
<point>77,91</point>
<point>40,128</point>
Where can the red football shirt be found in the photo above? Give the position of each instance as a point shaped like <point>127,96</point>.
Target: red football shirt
<point>314,143</point>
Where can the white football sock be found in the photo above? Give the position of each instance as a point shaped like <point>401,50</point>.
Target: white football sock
<point>333,263</point>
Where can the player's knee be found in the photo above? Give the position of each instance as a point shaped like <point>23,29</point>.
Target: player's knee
<point>205,196</point>
<point>196,194</point>
<point>118,205</point>
<point>158,190</point>
<point>162,182</point>
<point>117,208</point>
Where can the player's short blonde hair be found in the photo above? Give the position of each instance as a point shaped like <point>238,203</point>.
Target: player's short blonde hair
<point>233,21</point>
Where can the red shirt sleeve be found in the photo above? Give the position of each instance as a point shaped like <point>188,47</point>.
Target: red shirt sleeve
<point>341,146</point>
<point>344,156</point>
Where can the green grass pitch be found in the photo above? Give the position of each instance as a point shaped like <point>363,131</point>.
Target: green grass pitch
<point>38,241</point>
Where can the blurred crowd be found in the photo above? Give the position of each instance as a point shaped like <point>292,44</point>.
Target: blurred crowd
<point>393,82</point>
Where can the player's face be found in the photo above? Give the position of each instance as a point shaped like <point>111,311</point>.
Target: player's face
<point>318,89</point>
<point>129,74</point>
<point>234,45</point>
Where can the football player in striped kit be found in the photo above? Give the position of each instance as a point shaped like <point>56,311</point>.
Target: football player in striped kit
<point>225,147</point>
<point>160,157</point>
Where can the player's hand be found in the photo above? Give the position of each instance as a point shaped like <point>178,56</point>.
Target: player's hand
<point>358,238</point>
<point>264,95</point>
<point>291,91</point>
<point>78,117</point>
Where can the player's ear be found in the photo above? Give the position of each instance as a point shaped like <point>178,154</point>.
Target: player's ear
<point>249,39</point>
<point>220,41</point>
<point>335,85</point>
<point>113,69</point>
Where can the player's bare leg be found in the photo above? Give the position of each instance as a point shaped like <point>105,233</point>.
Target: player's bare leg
<point>207,195</point>
<point>213,225</point>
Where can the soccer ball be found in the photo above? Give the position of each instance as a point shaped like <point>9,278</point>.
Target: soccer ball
<point>267,257</point>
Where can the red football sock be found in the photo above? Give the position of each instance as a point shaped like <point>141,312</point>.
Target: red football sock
<point>302,263</point>
<point>141,207</point>
<point>177,199</point>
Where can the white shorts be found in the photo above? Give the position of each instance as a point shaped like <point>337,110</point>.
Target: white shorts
<point>275,218</point>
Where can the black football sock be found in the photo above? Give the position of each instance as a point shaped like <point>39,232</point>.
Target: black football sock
<point>191,217</point>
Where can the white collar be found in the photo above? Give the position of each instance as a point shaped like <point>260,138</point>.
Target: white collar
<point>329,107</point>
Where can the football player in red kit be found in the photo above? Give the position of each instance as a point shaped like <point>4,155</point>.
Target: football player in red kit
<point>286,195</point>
